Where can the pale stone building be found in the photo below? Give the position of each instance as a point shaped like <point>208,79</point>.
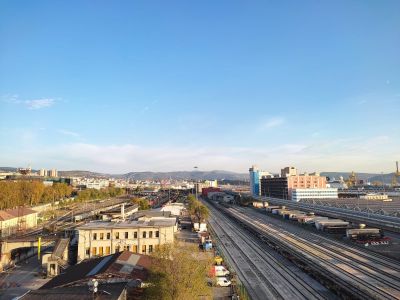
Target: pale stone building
<point>102,238</point>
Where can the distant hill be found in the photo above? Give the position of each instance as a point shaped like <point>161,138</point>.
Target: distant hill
<point>188,175</point>
<point>177,175</point>
<point>79,173</point>
<point>201,175</point>
<point>371,177</point>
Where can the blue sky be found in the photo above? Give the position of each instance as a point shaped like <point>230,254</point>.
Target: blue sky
<point>120,86</point>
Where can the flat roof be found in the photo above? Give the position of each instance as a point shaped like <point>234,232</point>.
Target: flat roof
<point>166,222</point>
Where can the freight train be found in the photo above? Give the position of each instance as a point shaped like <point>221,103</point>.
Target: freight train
<point>358,234</point>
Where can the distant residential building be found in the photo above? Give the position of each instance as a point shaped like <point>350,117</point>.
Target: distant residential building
<point>211,183</point>
<point>314,193</point>
<point>255,180</point>
<point>53,173</point>
<point>43,172</point>
<point>13,220</point>
<point>143,236</point>
<point>288,171</point>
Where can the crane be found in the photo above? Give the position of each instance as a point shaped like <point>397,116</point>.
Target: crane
<point>352,180</point>
<point>396,175</point>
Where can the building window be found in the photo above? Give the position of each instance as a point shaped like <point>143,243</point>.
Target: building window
<point>108,250</point>
<point>134,248</point>
<point>116,249</point>
<point>95,236</point>
<point>157,233</point>
<point>102,236</point>
<point>94,251</point>
<point>108,235</point>
<point>126,234</point>
<point>143,248</point>
<point>87,251</point>
<point>117,235</point>
<point>150,248</point>
<point>144,234</point>
<point>135,235</point>
<point>150,234</point>
<point>101,251</point>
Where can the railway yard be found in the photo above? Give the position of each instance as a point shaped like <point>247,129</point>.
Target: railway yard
<point>283,260</point>
<point>263,271</point>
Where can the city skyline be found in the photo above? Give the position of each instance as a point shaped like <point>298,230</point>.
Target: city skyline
<point>126,87</point>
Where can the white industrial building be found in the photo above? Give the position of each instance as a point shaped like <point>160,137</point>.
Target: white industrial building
<point>309,194</point>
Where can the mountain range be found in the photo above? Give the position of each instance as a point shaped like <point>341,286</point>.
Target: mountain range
<point>203,175</point>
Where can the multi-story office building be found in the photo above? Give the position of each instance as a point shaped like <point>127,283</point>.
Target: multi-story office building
<point>103,238</point>
<point>276,187</point>
<point>255,180</point>
<point>282,187</point>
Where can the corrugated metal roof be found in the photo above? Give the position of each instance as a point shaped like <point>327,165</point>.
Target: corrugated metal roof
<point>97,268</point>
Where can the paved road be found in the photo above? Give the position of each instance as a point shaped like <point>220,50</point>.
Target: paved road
<point>21,279</point>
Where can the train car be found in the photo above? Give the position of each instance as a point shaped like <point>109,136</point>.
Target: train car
<point>332,225</point>
<point>258,204</point>
<point>294,215</point>
<point>364,234</point>
<point>310,220</point>
<point>269,209</point>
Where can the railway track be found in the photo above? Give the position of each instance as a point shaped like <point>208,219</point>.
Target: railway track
<point>361,275</point>
<point>265,274</point>
<point>351,252</point>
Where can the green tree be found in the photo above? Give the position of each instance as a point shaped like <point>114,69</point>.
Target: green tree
<point>142,203</point>
<point>196,208</point>
<point>177,273</point>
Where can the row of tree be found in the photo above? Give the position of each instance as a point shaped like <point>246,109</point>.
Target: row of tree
<point>196,208</point>
<point>19,193</point>
<point>91,194</point>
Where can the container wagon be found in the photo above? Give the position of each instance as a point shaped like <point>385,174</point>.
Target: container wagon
<point>364,234</point>
<point>269,209</point>
<point>332,225</point>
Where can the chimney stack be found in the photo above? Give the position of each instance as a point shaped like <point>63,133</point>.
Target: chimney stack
<point>123,211</point>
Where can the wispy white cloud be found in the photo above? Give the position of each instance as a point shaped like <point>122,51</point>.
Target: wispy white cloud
<point>32,104</point>
<point>375,154</point>
<point>69,133</point>
<point>39,103</point>
<point>272,123</point>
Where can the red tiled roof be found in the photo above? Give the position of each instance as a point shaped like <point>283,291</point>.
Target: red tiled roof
<point>20,211</point>
<point>9,214</point>
<point>5,216</point>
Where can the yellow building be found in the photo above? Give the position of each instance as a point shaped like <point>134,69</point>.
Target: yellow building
<point>102,238</point>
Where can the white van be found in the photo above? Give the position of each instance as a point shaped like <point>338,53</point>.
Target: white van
<point>220,271</point>
<point>223,281</point>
